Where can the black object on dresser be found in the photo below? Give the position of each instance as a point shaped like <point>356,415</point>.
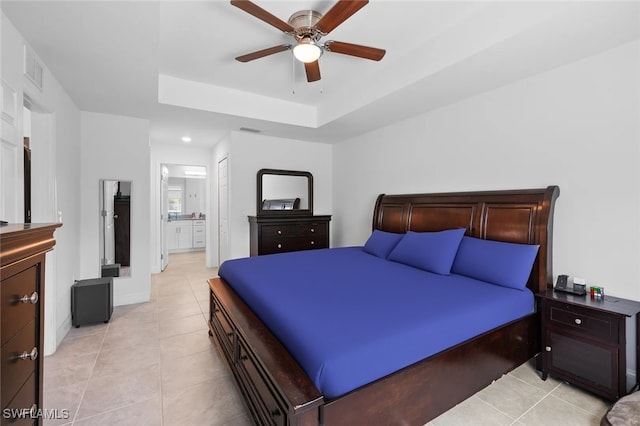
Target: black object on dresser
<point>91,301</point>
<point>22,260</point>
<point>584,341</point>
<point>270,235</point>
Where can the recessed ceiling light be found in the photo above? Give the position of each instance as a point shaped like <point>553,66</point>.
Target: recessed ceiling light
<point>186,139</point>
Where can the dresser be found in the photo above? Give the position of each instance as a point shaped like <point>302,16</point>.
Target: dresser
<point>584,341</point>
<point>282,234</point>
<point>22,261</point>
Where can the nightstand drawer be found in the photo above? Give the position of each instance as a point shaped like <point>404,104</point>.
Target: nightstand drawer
<point>587,321</point>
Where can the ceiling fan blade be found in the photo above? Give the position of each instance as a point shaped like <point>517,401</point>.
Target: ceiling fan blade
<point>355,50</point>
<point>339,13</point>
<point>263,15</point>
<point>262,53</point>
<point>313,71</point>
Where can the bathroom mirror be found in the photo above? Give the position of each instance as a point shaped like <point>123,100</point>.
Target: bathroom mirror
<point>284,192</point>
<point>115,228</point>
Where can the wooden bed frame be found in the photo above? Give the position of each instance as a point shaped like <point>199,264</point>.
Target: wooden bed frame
<point>278,391</point>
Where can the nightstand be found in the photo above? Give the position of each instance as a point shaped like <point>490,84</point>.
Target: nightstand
<point>587,341</point>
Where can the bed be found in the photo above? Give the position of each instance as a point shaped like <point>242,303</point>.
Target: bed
<point>279,385</point>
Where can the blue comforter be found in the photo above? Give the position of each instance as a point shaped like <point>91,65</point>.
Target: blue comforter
<point>349,317</point>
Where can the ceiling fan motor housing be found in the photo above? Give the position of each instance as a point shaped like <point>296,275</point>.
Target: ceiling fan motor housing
<point>304,25</point>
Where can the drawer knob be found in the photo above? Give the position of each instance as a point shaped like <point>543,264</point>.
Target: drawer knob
<point>279,232</point>
<point>578,321</point>
<point>313,242</point>
<point>547,348</point>
<point>31,355</point>
<point>313,230</point>
<point>33,299</point>
<point>279,245</point>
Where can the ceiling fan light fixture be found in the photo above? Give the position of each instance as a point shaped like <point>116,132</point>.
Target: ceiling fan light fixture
<point>307,51</point>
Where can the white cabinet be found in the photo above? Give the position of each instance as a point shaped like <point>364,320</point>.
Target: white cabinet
<point>198,234</point>
<point>180,235</point>
<point>185,235</point>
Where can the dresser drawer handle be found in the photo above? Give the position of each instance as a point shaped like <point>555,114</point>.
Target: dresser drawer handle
<point>33,355</point>
<point>313,242</point>
<point>313,230</point>
<point>578,321</point>
<point>33,299</point>
<point>547,348</point>
<point>279,245</point>
<point>279,232</point>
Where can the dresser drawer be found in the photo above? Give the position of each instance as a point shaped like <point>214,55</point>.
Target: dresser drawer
<point>19,361</point>
<point>271,235</point>
<point>19,301</point>
<point>283,245</point>
<point>25,400</point>
<point>293,230</point>
<point>585,321</point>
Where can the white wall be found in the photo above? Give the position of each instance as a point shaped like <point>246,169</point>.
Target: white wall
<point>577,126</point>
<point>116,148</point>
<point>55,144</point>
<point>249,153</point>
<point>187,155</point>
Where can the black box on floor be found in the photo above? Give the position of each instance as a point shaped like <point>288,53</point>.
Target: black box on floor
<point>91,301</point>
<point>112,270</point>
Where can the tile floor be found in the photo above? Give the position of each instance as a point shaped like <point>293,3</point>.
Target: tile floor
<point>154,364</point>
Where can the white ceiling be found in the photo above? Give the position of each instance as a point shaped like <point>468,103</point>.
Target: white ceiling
<point>172,62</point>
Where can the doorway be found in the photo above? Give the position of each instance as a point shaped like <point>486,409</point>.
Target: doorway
<point>183,203</point>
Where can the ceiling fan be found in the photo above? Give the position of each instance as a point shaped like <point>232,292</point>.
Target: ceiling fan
<point>307,27</point>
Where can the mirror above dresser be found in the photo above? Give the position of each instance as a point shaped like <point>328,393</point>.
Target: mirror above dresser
<point>284,218</point>
<point>284,193</point>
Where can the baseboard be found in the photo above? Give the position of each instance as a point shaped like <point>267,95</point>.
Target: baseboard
<point>61,332</point>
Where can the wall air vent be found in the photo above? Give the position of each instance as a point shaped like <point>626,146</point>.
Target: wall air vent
<point>250,130</point>
<point>33,69</point>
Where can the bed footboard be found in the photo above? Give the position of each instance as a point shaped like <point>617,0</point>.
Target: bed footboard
<point>276,389</point>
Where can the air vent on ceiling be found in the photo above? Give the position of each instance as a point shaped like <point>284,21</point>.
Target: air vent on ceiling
<point>250,130</point>
<point>33,69</point>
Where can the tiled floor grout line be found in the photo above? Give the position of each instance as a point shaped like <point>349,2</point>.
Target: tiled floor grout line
<point>492,406</point>
<point>86,385</point>
<point>539,401</point>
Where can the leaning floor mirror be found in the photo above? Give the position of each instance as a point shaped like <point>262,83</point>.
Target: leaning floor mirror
<point>115,228</point>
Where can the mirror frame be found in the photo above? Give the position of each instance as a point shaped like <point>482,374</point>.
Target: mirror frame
<point>300,212</point>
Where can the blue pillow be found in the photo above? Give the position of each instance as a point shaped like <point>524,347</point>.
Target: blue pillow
<point>496,262</point>
<point>431,251</point>
<point>380,243</point>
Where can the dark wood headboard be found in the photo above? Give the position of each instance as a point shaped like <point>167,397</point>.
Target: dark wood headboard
<point>517,216</point>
